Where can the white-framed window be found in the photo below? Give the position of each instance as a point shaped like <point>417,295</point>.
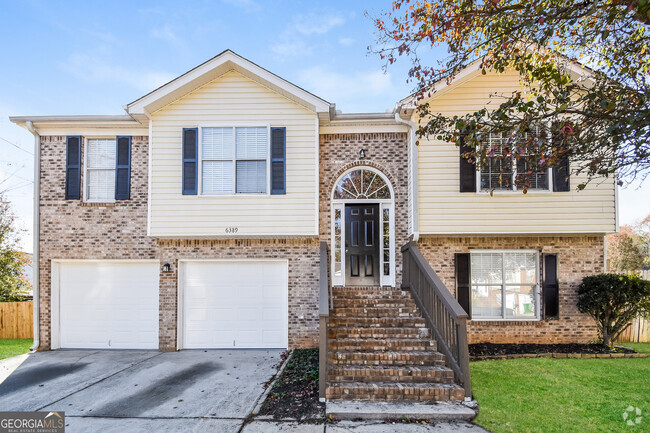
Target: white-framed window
<point>234,160</point>
<point>498,174</point>
<point>505,285</point>
<point>100,170</point>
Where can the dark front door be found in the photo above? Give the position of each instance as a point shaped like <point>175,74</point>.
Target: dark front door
<point>362,245</point>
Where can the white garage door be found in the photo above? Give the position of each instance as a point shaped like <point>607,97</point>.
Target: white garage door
<point>108,305</point>
<point>235,304</point>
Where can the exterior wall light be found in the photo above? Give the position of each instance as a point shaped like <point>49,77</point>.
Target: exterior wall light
<point>362,153</point>
<point>166,267</point>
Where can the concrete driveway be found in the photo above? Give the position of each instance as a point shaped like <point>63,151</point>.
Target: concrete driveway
<point>146,391</point>
<point>176,391</point>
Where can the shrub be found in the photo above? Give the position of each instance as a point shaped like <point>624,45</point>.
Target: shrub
<point>614,300</point>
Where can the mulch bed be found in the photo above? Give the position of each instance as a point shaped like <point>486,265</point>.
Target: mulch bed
<point>490,349</point>
<point>295,394</point>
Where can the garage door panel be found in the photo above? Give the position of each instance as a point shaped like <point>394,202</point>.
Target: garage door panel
<point>247,292</point>
<point>108,305</point>
<point>234,298</point>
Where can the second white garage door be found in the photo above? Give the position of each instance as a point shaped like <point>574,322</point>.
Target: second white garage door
<point>232,304</point>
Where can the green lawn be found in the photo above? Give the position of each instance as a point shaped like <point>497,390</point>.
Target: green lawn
<point>549,395</point>
<point>14,346</point>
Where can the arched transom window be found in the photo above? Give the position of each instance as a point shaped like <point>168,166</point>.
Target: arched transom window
<point>361,184</point>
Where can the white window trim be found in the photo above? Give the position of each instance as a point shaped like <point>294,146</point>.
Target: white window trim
<point>514,189</point>
<point>234,193</point>
<point>536,288</point>
<point>85,167</point>
<point>385,280</point>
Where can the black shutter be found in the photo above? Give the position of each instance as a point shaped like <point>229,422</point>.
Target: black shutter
<point>467,170</point>
<point>550,287</point>
<point>278,160</point>
<point>190,160</point>
<point>73,168</point>
<point>561,175</point>
<point>123,169</point>
<point>462,265</point>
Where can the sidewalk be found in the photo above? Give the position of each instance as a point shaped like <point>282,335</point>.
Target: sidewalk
<point>360,427</point>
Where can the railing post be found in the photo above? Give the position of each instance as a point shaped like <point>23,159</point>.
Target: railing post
<point>322,357</point>
<point>325,303</point>
<point>463,355</point>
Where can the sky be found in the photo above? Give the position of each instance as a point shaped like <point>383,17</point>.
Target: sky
<point>91,57</point>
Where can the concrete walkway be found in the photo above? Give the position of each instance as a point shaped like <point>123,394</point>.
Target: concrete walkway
<point>144,391</point>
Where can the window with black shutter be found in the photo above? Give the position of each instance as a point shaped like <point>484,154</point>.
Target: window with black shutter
<point>73,168</point>
<point>123,169</point>
<point>278,160</point>
<point>190,157</point>
<point>463,292</point>
<point>467,170</point>
<point>551,287</point>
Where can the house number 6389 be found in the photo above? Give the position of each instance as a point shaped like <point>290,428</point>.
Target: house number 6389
<point>232,229</point>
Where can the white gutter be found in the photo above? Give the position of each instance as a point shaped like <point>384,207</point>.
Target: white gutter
<point>415,211</point>
<point>36,253</point>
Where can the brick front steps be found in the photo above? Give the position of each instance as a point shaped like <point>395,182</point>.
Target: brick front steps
<point>353,410</point>
<point>346,357</point>
<point>380,350</point>
<point>395,391</point>
<point>424,374</point>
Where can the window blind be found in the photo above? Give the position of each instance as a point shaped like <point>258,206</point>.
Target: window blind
<point>100,174</point>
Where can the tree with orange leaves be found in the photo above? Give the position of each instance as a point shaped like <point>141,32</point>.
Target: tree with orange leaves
<point>599,119</point>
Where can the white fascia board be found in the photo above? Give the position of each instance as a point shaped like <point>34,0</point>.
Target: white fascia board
<point>82,125</point>
<point>74,118</point>
<point>362,123</point>
<point>211,70</point>
<point>361,128</point>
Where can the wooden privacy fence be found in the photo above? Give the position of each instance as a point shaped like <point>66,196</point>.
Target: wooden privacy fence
<point>16,319</point>
<point>637,332</point>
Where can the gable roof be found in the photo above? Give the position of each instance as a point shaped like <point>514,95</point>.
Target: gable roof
<point>215,67</point>
<point>473,70</point>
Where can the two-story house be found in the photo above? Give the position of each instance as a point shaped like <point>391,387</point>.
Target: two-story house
<point>195,219</point>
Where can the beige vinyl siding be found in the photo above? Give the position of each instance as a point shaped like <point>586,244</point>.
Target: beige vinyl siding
<point>233,100</point>
<point>444,210</point>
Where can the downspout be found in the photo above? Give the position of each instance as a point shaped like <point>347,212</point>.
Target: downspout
<point>415,211</point>
<point>36,253</point>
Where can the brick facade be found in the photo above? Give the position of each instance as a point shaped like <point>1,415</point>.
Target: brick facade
<point>386,152</point>
<point>578,256</point>
<point>71,229</point>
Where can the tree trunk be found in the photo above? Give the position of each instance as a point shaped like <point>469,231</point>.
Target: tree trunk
<point>606,337</point>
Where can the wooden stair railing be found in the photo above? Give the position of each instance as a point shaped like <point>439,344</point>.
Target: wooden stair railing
<point>443,314</point>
